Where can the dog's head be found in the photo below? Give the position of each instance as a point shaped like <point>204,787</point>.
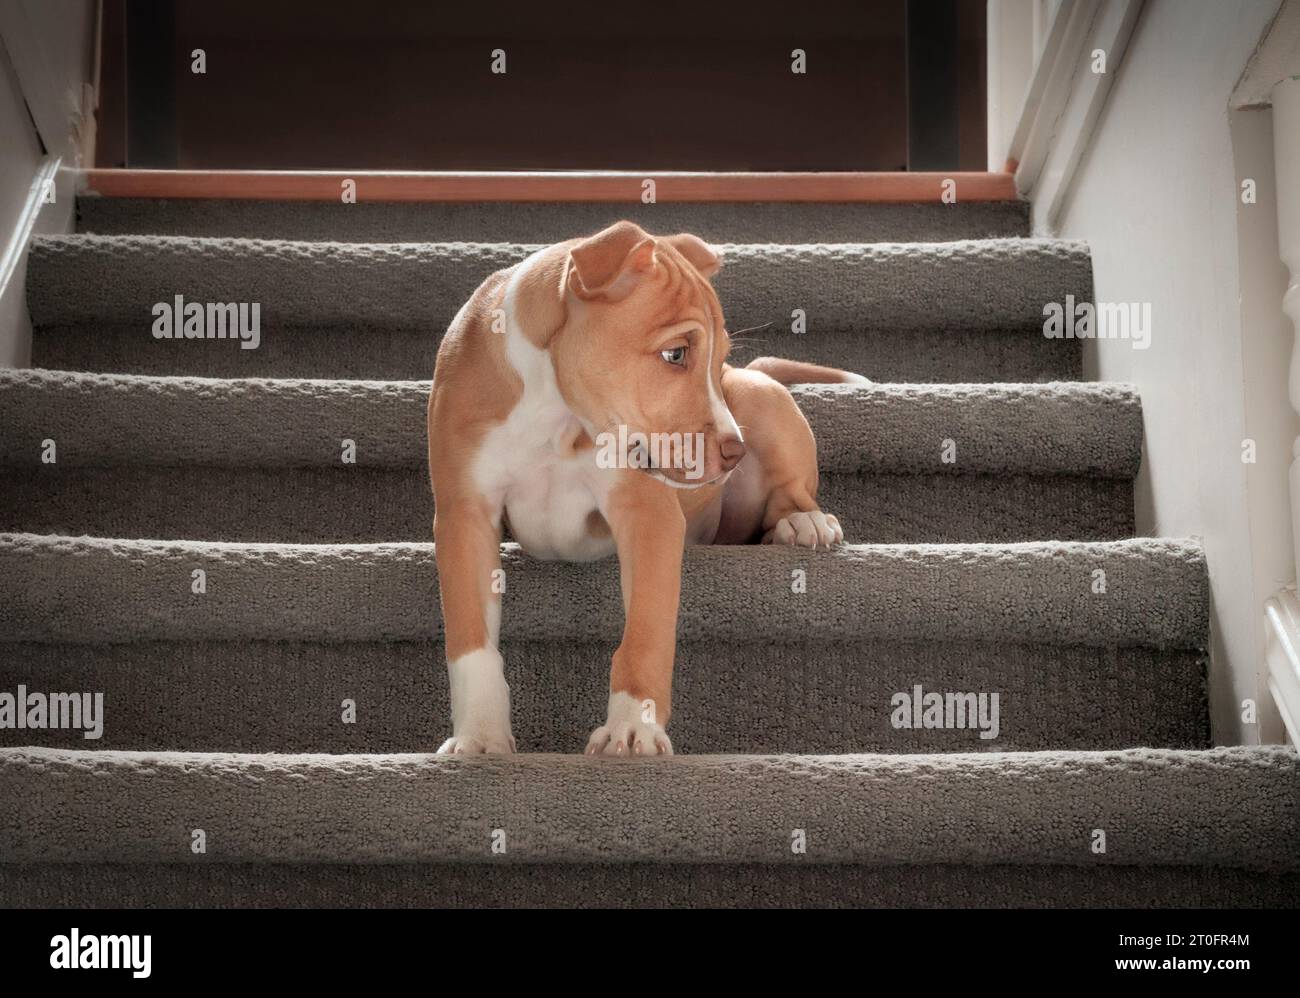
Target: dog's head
<point>640,353</point>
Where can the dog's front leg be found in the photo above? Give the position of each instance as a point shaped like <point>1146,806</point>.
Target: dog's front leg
<point>650,533</point>
<point>467,539</point>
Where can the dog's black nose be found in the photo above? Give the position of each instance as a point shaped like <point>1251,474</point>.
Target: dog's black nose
<point>732,449</point>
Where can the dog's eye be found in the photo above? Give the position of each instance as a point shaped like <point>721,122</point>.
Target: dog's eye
<point>675,356</point>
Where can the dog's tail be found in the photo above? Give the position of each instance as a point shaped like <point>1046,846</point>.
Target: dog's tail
<point>796,372</point>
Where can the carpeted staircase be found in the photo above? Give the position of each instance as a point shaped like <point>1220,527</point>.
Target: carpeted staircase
<point>201,552</point>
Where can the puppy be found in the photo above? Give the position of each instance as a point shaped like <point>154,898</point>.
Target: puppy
<point>582,398</point>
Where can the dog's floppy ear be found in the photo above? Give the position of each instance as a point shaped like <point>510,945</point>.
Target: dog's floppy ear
<point>697,251</point>
<point>608,265</point>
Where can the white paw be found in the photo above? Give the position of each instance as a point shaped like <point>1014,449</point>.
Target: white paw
<point>468,745</point>
<point>629,730</point>
<point>806,530</point>
<point>480,706</point>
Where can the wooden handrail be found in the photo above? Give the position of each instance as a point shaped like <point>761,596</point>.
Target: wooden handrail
<point>310,185</point>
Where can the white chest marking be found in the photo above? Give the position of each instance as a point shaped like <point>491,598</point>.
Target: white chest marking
<point>525,465</point>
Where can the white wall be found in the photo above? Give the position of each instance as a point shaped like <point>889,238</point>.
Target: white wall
<point>20,156</point>
<point>46,59</point>
<point>1011,54</point>
<point>1156,196</point>
<point>1267,341</point>
<point>65,30</point>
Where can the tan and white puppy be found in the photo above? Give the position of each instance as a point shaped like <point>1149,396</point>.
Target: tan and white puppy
<point>549,383</point>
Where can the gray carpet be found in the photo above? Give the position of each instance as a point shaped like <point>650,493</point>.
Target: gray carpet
<point>367,504</point>
<point>76,590</point>
<point>105,419</point>
<point>321,587</point>
<point>640,885</point>
<point>919,312</point>
<point>551,222</point>
<point>840,286</point>
<point>359,351</point>
<point>1226,807</point>
<point>824,696</point>
<point>189,458</point>
<point>285,633</point>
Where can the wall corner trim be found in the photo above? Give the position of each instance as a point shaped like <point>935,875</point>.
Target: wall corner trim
<point>1066,99</point>
<point>1276,57</point>
<point>13,257</point>
<point>14,249</point>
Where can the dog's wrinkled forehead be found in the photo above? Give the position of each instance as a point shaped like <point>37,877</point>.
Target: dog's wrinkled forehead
<point>683,293</point>
<point>611,265</point>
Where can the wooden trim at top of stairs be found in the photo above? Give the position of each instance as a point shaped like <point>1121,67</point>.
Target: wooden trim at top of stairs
<point>294,185</point>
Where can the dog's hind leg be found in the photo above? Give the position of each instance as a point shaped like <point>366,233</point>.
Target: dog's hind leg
<point>772,496</point>
<point>796,372</point>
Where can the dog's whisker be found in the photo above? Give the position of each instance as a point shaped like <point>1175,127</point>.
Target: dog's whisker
<point>748,329</point>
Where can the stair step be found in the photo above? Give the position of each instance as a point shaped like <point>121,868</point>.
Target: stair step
<point>368,353</point>
<point>662,884</point>
<point>1062,428</point>
<point>1161,808</point>
<point>222,710</point>
<point>264,659</point>
<point>261,695</point>
<point>66,588</point>
<point>192,458</point>
<point>958,311</point>
<point>1228,807</point>
<point>548,222</point>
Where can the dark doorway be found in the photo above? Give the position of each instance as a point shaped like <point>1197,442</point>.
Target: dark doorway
<point>673,85</point>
